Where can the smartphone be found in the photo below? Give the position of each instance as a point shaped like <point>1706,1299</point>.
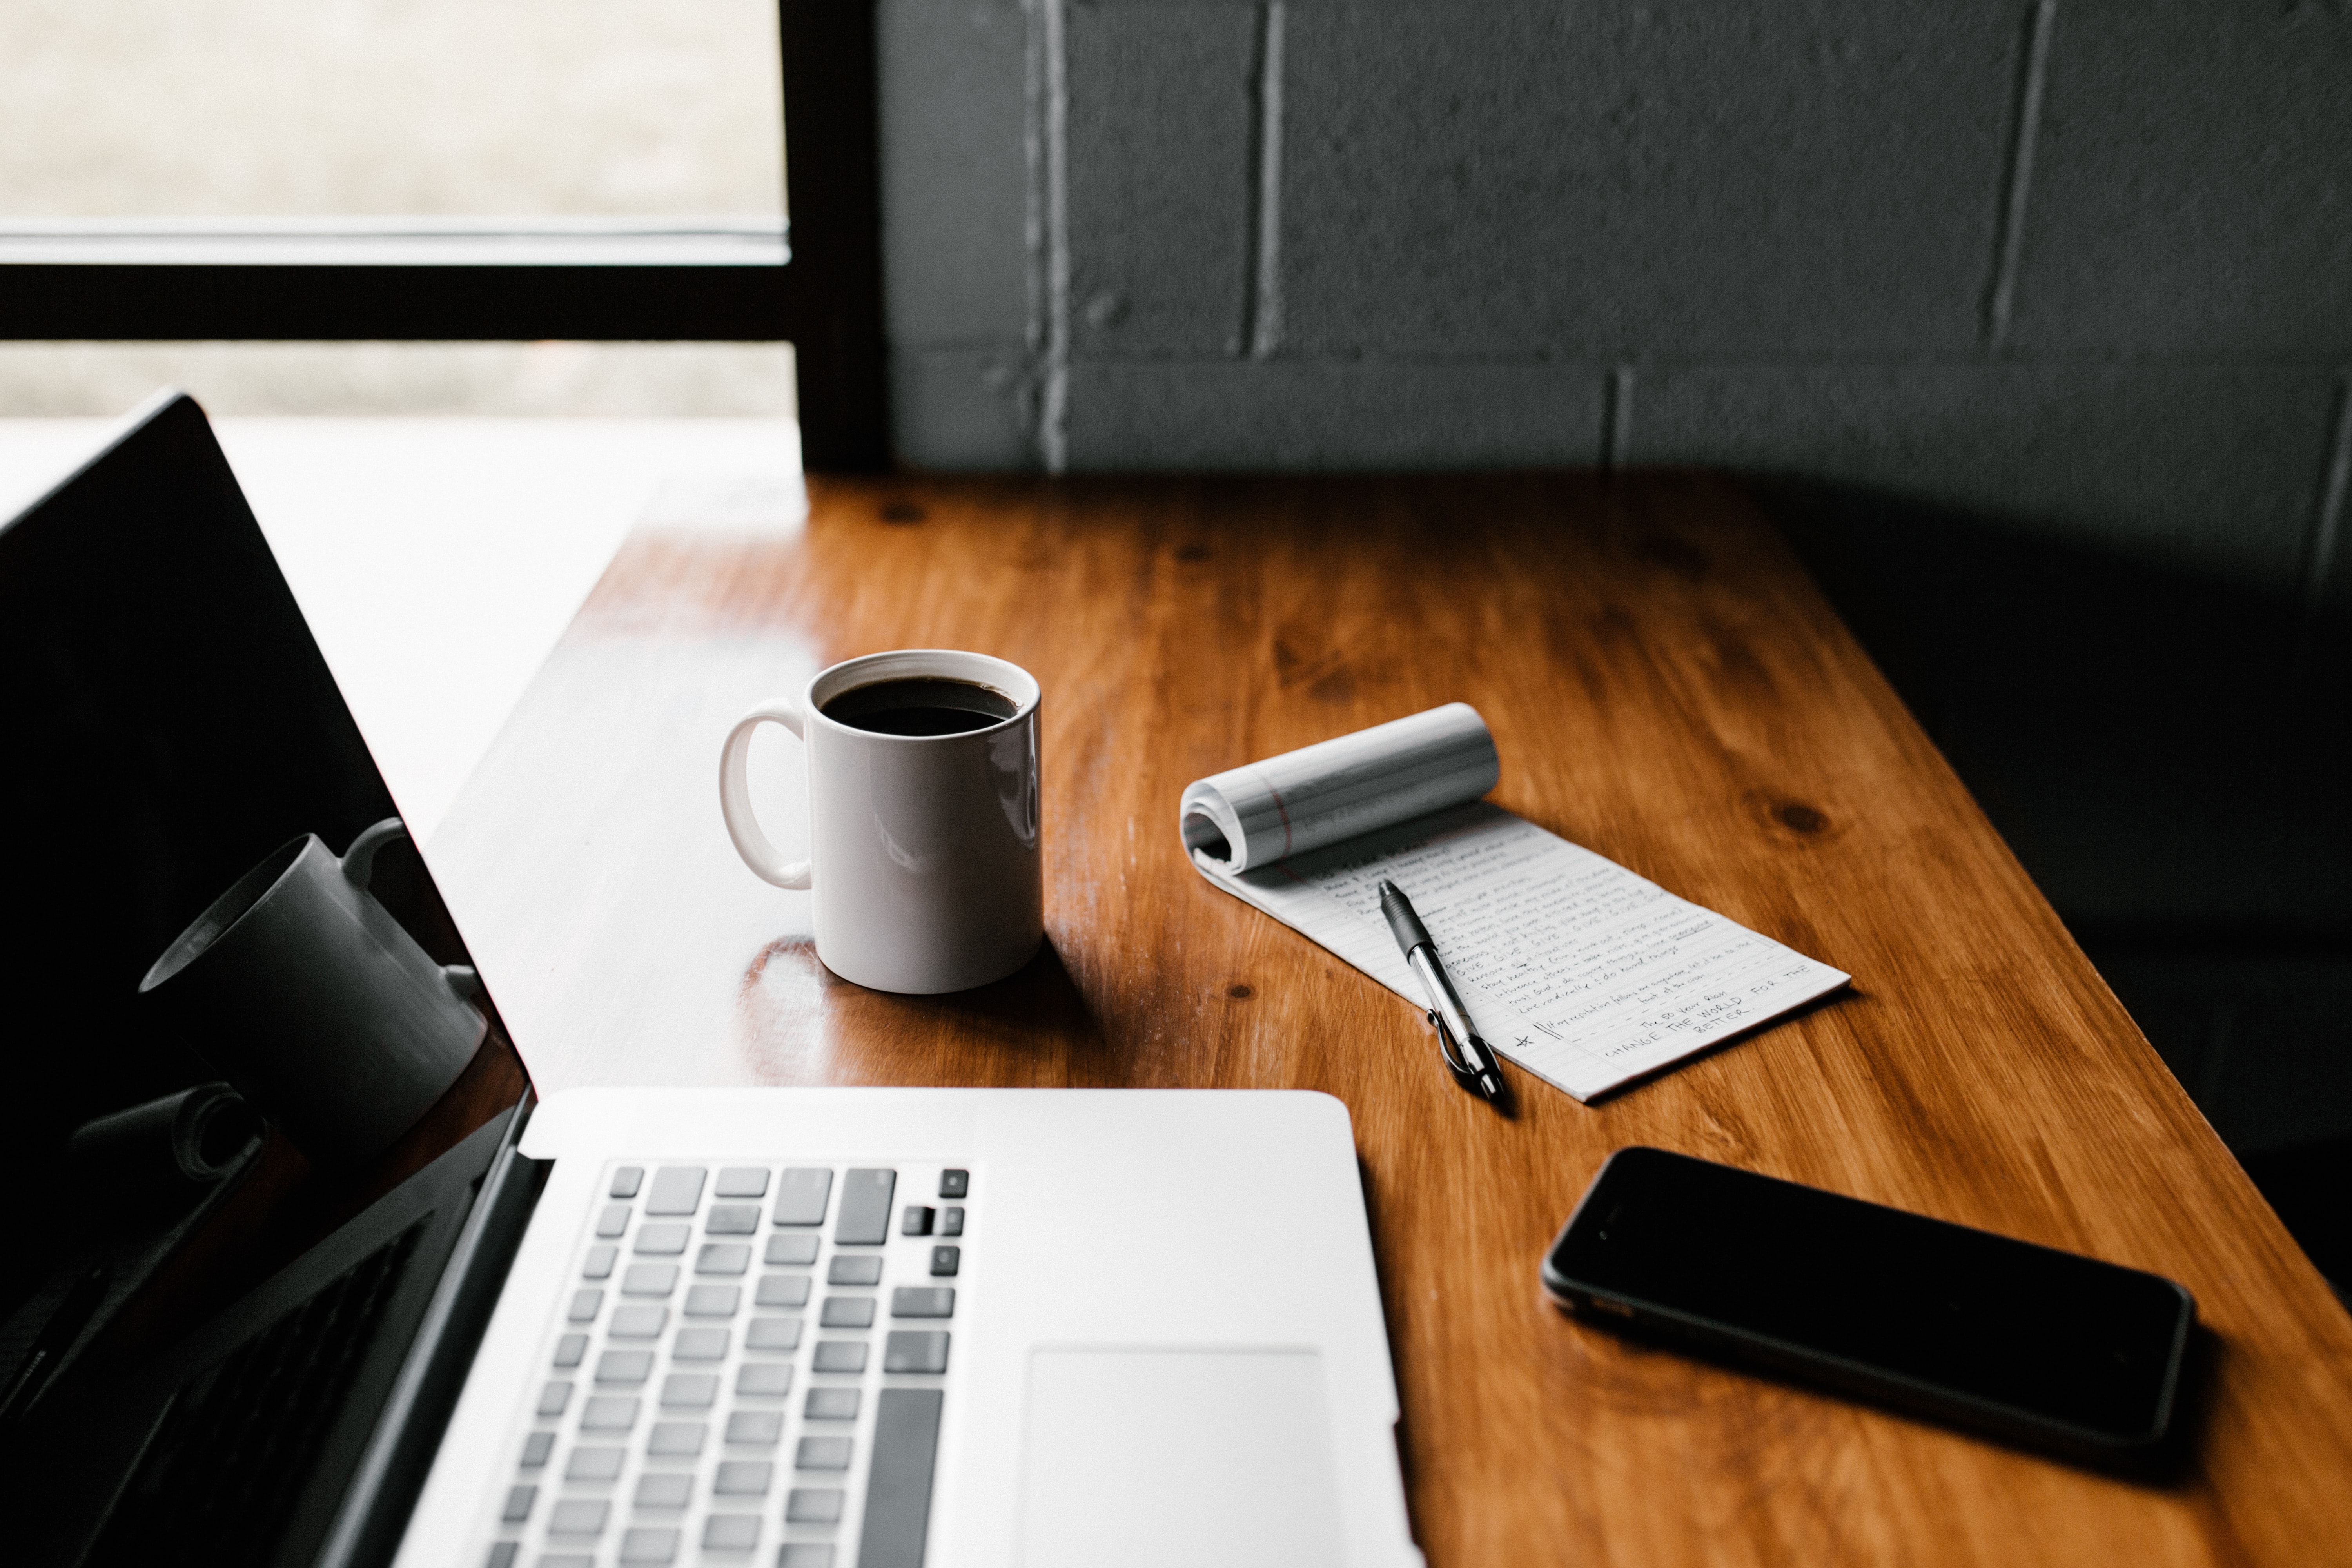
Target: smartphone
<point>2042,1348</point>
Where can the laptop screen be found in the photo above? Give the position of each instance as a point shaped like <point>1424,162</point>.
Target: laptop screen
<point>170,725</point>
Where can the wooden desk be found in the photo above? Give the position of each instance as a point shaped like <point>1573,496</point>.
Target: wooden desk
<point>1667,687</point>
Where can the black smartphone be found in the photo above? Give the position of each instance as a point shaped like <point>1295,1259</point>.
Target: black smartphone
<point>2042,1348</point>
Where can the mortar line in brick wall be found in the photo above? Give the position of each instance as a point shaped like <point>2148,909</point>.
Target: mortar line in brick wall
<point>2008,220</point>
<point>1033,193</point>
<point>2326,530</point>
<point>1261,322</point>
<point>1616,417</point>
<point>1054,410</point>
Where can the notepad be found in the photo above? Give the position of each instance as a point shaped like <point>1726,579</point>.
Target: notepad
<point>1572,967</point>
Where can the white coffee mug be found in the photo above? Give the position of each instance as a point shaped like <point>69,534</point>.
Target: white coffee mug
<point>923,849</point>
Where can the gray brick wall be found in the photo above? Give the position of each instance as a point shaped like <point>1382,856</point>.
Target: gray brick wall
<point>2084,265</point>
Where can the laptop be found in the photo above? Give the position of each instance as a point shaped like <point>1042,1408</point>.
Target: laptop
<point>801,1328</point>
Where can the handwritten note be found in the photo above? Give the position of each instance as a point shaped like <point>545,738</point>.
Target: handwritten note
<point>1572,966</point>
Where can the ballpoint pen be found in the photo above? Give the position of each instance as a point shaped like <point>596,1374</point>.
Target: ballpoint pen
<point>1473,1061</point>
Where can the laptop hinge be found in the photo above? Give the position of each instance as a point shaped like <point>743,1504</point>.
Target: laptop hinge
<point>407,1433</point>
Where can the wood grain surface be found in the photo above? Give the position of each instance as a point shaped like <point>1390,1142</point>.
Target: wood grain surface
<point>1668,688</point>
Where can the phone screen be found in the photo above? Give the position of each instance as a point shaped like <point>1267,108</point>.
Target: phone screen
<point>1923,1312</point>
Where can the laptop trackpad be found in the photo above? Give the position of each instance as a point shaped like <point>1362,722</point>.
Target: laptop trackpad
<point>1178,1456</point>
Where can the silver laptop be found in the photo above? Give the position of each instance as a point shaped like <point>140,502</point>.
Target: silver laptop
<point>807,1327</point>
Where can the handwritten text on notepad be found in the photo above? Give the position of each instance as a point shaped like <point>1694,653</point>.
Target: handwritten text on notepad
<point>1573,967</point>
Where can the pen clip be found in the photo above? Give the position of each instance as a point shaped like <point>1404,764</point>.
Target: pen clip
<point>1451,1050</point>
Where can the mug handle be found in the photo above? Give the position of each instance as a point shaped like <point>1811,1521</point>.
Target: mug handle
<point>358,867</point>
<point>358,863</point>
<point>735,795</point>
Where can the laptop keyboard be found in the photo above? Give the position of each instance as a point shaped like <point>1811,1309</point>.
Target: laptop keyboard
<point>750,1366</point>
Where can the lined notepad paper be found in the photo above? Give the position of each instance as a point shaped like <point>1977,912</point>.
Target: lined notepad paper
<point>1572,966</point>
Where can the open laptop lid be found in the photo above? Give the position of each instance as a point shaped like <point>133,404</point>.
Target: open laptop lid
<point>169,724</point>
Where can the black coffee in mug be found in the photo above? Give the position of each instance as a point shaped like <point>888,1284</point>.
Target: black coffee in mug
<point>921,705</point>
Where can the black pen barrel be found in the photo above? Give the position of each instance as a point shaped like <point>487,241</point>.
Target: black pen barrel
<point>1403,924</point>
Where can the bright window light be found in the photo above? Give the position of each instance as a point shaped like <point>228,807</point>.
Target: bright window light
<point>122,109</point>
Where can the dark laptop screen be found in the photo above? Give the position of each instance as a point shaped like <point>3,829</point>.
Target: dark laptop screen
<point>168,722</point>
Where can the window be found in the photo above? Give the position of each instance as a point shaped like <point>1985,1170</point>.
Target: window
<point>504,110</point>
<point>443,169</point>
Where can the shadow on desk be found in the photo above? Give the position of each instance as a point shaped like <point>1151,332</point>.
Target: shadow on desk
<point>2169,753</point>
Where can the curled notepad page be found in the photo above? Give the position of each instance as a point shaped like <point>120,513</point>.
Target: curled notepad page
<point>1573,967</point>
<point>1253,815</point>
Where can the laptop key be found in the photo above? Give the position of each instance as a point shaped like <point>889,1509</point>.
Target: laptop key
<point>609,1413</point>
<point>536,1448</point>
<point>917,1220</point>
<point>755,1426</point>
<point>598,1262</point>
<point>732,1219</point>
<point>807,1554</point>
<point>613,1221</point>
<point>626,1179</point>
<point>677,1439</point>
<point>952,1222</point>
<point>649,1546</point>
<point>699,1344</point>
<point>945,1261</point>
<point>731,1533</point>
<point>923,1302</point>
<point>553,1398</point>
<point>867,1270</point>
<point>677,1189</point>
<point>899,1478</point>
<point>600,1464</point>
<point>689,1391</point>
<point>579,1516</point>
<point>822,1454</point>
<point>742,1181</point>
<point>667,1239</point>
<point>841,1355</point>
<point>744,1477</point>
<point>790,1251</point>
<point>772,1334</point>
<point>916,1350</point>
<point>954,1184</point>
<point>713,1301</point>
<point>783,1290</point>
<point>665,1489</point>
<point>518,1501</point>
<point>722,1258</point>
<point>865,1218</point>
<point>624,1367</point>
<point>570,1349</point>
<point>585,1305</point>
<point>800,1197</point>
<point>638,1321</point>
<point>847,1312</point>
<point>503,1554</point>
<point>832,1405</point>
<point>649,1279</point>
<point>812,1505</point>
<point>763,1379</point>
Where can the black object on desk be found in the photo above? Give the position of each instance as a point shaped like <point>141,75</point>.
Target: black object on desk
<point>2046,1349</point>
<point>1473,1062</point>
